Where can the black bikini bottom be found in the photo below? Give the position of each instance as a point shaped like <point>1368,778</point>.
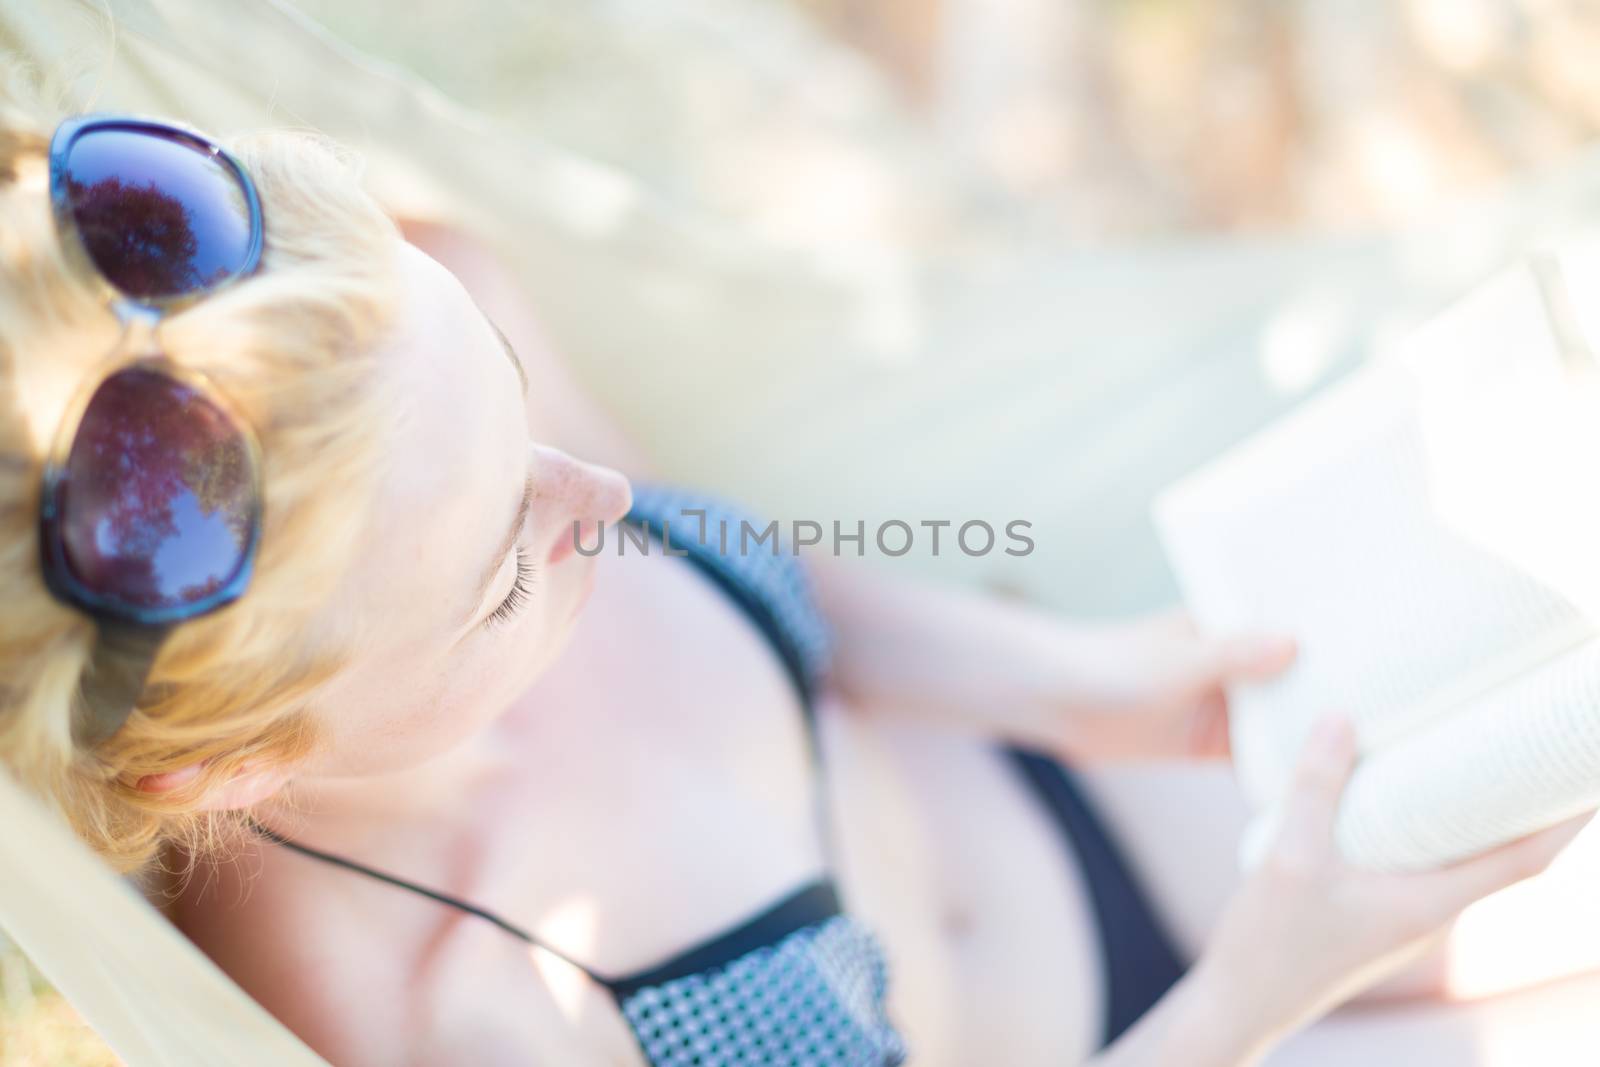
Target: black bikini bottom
<point>1141,961</point>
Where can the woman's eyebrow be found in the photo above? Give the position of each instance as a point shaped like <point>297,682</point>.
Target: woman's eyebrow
<point>506,545</point>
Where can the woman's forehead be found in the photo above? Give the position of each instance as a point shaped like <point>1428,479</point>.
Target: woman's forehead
<point>458,446</point>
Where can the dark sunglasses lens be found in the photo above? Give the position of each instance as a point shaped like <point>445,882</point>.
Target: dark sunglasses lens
<point>158,504</point>
<point>160,215</point>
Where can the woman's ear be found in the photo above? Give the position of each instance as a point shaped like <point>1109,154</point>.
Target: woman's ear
<point>249,786</point>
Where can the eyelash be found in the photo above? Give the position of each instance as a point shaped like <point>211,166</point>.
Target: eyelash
<point>521,590</point>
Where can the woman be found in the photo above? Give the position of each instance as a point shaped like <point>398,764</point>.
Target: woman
<point>486,796</point>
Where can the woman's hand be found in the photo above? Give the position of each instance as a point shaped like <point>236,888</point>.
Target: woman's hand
<point>1155,688</point>
<point>1306,931</point>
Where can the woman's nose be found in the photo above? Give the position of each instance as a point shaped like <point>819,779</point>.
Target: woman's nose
<point>577,491</point>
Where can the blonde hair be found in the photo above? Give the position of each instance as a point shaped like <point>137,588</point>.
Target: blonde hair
<point>291,347</point>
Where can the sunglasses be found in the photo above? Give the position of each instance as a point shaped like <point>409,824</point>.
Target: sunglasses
<point>150,510</point>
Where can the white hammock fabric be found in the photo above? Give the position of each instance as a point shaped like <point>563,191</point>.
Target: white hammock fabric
<point>1011,379</point>
<point>153,996</point>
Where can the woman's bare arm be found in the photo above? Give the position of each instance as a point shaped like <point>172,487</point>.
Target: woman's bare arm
<point>1148,688</point>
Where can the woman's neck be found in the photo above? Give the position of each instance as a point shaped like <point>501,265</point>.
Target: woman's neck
<point>330,807</point>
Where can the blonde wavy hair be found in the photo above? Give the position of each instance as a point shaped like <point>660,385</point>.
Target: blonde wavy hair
<point>292,347</point>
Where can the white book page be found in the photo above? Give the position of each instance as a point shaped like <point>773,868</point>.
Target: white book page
<point>1514,760</point>
<point>1419,527</point>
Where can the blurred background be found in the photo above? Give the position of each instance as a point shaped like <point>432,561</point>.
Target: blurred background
<point>1184,140</point>
<point>1108,118</point>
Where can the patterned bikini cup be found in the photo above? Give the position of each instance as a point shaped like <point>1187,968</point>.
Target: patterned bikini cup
<point>813,999</point>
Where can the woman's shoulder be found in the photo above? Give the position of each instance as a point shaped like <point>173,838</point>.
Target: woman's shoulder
<point>368,976</point>
<point>284,932</point>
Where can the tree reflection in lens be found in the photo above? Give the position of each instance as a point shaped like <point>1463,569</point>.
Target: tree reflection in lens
<point>159,214</point>
<point>139,236</point>
<point>158,499</point>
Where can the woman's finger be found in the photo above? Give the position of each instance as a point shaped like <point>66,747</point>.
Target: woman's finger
<point>1312,806</point>
<point>1173,620</point>
<point>1217,661</point>
<point>1252,657</point>
<point>1208,728</point>
<point>1462,883</point>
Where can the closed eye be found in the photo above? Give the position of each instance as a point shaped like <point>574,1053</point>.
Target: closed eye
<point>521,592</point>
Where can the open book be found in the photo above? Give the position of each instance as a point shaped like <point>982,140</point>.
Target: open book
<point>1429,529</point>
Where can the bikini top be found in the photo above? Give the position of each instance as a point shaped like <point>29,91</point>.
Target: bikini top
<point>801,984</point>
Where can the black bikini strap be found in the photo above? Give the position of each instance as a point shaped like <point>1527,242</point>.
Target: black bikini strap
<point>443,898</point>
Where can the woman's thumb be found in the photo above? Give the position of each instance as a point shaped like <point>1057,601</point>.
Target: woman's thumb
<point>1312,806</point>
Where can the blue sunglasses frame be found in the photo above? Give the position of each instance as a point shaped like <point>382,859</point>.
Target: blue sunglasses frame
<point>129,634</point>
